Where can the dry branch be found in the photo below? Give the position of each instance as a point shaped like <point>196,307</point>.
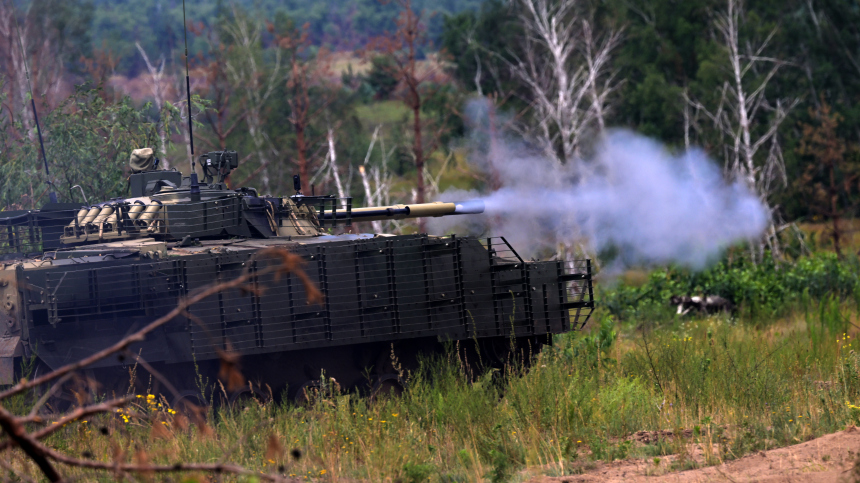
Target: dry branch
<point>741,108</point>
<point>565,66</point>
<point>71,417</point>
<point>16,426</point>
<point>18,433</point>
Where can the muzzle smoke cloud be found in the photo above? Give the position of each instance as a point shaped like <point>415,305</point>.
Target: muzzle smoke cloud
<point>633,198</point>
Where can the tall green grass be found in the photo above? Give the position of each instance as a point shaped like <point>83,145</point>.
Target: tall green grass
<point>734,383</point>
<point>739,387</point>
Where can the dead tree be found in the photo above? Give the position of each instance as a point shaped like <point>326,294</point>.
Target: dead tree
<point>402,47</point>
<point>565,67</point>
<point>376,181</point>
<point>743,106</point>
<point>255,81</point>
<point>156,82</point>
<point>371,196</point>
<point>330,170</point>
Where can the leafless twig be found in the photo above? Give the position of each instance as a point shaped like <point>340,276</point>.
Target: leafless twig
<point>45,457</point>
<point>565,67</point>
<point>742,106</point>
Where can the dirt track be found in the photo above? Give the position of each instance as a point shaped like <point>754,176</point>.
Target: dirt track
<point>829,458</point>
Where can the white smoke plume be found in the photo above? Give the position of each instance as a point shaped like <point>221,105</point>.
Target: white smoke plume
<point>632,198</point>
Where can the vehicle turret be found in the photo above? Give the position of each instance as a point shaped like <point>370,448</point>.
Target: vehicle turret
<point>167,206</point>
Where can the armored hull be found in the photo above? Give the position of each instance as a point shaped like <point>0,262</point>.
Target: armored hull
<point>383,295</point>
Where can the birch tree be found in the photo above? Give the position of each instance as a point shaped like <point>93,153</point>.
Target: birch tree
<point>256,81</point>
<point>376,181</point>
<point>156,82</point>
<point>329,169</point>
<point>746,123</point>
<point>565,67</point>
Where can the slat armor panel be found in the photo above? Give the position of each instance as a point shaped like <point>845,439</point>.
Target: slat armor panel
<point>377,289</point>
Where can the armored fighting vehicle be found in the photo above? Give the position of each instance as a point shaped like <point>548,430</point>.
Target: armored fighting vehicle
<point>75,279</point>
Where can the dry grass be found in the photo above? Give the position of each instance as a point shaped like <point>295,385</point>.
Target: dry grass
<point>736,388</point>
<point>820,233</point>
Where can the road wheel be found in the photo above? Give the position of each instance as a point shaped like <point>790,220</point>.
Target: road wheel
<point>387,385</point>
<point>190,403</point>
<point>248,396</point>
<point>306,392</point>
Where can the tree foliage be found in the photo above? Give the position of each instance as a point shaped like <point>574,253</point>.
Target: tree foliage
<point>669,48</point>
<point>89,144</point>
<point>829,181</point>
<point>381,78</point>
<point>157,24</point>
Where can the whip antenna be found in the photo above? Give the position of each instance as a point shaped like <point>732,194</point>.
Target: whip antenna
<point>195,184</point>
<point>53,194</point>
<point>188,85</point>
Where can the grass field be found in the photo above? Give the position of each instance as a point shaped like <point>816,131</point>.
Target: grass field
<point>739,388</point>
<point>769,377</point>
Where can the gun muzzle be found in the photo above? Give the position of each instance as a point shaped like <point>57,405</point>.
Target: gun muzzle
<point>400,212</point>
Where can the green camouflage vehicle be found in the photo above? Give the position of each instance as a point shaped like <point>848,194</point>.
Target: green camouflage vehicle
<point>75,279</point>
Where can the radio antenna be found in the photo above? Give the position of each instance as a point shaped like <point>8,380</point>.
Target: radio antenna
<point>53,194</point>
<point>195,184</point>
<point>188,85</point>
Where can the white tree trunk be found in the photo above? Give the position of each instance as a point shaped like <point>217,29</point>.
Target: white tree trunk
<point>565,67</point>
<point>256,83</point>
<point>741,107</point>
<point>332,156</point>
<point>156,86</point>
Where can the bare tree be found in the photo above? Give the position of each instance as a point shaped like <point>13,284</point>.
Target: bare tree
<point>176,114</point>
<point>565,67</point>
<point>156,84</point>
<point>376,181</point>
<point>329,169</point>
<point>402,48</point>
<point>755,159</point>
<point>256,81</point>
<point>433,181</point>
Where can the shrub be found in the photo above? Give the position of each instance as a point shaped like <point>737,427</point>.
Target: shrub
<point>760,291</point>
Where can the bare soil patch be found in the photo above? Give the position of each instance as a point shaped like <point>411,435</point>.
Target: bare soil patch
<point>830,458</point>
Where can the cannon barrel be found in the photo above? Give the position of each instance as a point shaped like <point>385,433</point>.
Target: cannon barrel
<point>419,210</point>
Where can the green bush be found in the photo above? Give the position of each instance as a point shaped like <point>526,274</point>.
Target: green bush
<point>760,291</point>
<point>382,78</point>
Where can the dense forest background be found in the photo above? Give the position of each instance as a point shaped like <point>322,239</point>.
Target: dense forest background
<point>337,24</point>
<point>401,101</point>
